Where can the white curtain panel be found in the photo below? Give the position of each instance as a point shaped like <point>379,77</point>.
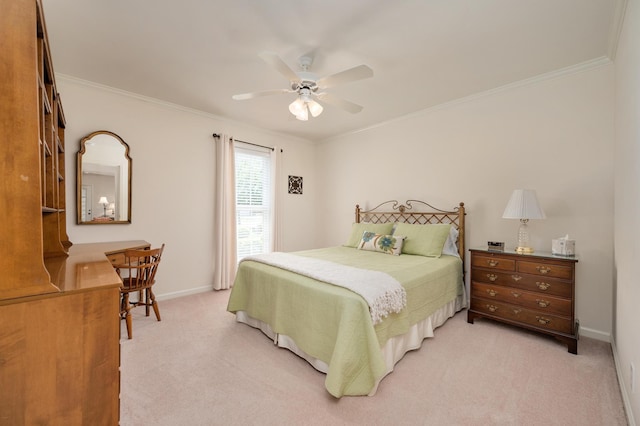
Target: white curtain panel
<point>224,228</point>
<point>276,194</point>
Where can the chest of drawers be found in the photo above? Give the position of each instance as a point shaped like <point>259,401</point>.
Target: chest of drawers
<point>532,291</point>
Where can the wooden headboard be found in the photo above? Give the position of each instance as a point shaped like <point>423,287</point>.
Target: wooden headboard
<point>393,211</point>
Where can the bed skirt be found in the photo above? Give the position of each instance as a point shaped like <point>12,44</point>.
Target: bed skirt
<point>392,351</point>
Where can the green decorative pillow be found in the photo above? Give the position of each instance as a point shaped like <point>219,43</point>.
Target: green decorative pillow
<point>423,240</point>
<point>357,229</point>
<point>389,244</point>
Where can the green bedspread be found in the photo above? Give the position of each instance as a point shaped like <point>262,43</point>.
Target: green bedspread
<point>332,323</point>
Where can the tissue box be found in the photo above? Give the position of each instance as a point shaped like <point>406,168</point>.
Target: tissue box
<point>563,247</point>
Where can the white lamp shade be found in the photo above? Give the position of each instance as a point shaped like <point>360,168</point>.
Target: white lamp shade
<point>297,107</point>
<point>303,115</point>
<point>523,205</point>
<point>103,200</point>
<point>315,108</point>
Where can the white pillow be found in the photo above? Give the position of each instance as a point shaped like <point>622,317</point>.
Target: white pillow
<point>451,246</point>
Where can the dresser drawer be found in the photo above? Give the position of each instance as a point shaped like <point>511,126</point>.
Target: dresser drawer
<point>523,315</point>
<point>546,269</point>
<point>543,285</point>
<point>490,262</point>
<point>534,283</point>
<point>491,277</point>
<point>527,299</point>
<point>116,258</point>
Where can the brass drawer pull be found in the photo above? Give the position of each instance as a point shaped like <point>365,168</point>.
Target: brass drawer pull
<point>492,292</point>
<point>493,263</point>
<point>543,269</point>
<point>516,278</point>
<point>542,285</point>
<point>492,277</point>
<point>492,308</point>
<point>543,320</point>
<point>516,295</point>
<point>543,303</point>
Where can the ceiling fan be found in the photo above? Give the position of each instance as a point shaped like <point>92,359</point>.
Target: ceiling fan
<point>309,87</point>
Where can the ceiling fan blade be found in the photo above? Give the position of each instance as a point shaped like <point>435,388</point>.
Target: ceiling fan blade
<point>279,65</point>
<point>252,95</point>
<point>356,73</point>
<point>340,103</point>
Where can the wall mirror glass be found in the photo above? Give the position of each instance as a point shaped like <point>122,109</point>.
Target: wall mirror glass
<point>103,180</point>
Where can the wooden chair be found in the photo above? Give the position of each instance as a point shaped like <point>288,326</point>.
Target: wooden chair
<point>138,275</point>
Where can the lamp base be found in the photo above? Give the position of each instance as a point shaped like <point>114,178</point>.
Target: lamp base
<point>524,250</point>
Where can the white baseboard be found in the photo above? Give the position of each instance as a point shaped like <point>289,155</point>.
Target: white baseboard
<point>623,389</point>
<point>175,294</point>
<point>595,334</point>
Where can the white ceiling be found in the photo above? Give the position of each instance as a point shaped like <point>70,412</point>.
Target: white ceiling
<point>198,53</point>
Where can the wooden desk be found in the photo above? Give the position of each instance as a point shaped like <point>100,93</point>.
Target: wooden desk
<point>60,352</point>
<point>89,265</point>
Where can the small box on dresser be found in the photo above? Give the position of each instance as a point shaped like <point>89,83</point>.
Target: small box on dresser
<point>532,291</point>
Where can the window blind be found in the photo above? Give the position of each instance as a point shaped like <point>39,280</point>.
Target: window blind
<point>253,200</point>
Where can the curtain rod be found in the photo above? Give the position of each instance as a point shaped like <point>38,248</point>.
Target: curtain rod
<point>216,135</point>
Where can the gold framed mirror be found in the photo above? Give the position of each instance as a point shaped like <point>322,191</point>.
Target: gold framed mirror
<point>103,185</point>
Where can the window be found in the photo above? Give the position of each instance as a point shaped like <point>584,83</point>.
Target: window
<point>253,200</point>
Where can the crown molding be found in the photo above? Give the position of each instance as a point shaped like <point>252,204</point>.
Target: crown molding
<point>617,21</point>
<point>170,105</point>
<point>573,69</point>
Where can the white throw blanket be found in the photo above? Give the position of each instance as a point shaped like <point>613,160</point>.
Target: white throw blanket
<point>382,292</point>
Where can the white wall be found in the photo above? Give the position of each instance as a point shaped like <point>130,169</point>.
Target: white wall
<point>173,174</point>
<point>553,135</point>
<point>627,206</point>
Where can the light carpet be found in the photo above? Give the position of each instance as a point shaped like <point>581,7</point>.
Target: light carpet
<point>199,367</point>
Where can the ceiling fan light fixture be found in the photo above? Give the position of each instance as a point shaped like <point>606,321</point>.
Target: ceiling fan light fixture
<point>304,115</point>
<point>297,107</point>
<point>304,105</point>
<point>314,108</point>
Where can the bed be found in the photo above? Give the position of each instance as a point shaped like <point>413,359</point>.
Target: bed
<point>335,327</point>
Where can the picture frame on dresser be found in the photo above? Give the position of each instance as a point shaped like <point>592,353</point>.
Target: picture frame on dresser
<point>534,291</point>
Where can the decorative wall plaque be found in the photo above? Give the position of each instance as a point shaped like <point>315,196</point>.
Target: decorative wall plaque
<point>295,184</point>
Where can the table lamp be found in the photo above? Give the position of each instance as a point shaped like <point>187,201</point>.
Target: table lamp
<point>523,205</point>
<point>104,202</point>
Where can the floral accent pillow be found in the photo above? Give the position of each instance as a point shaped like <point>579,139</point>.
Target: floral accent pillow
<point>358,228</point>
<point>389,244</point>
